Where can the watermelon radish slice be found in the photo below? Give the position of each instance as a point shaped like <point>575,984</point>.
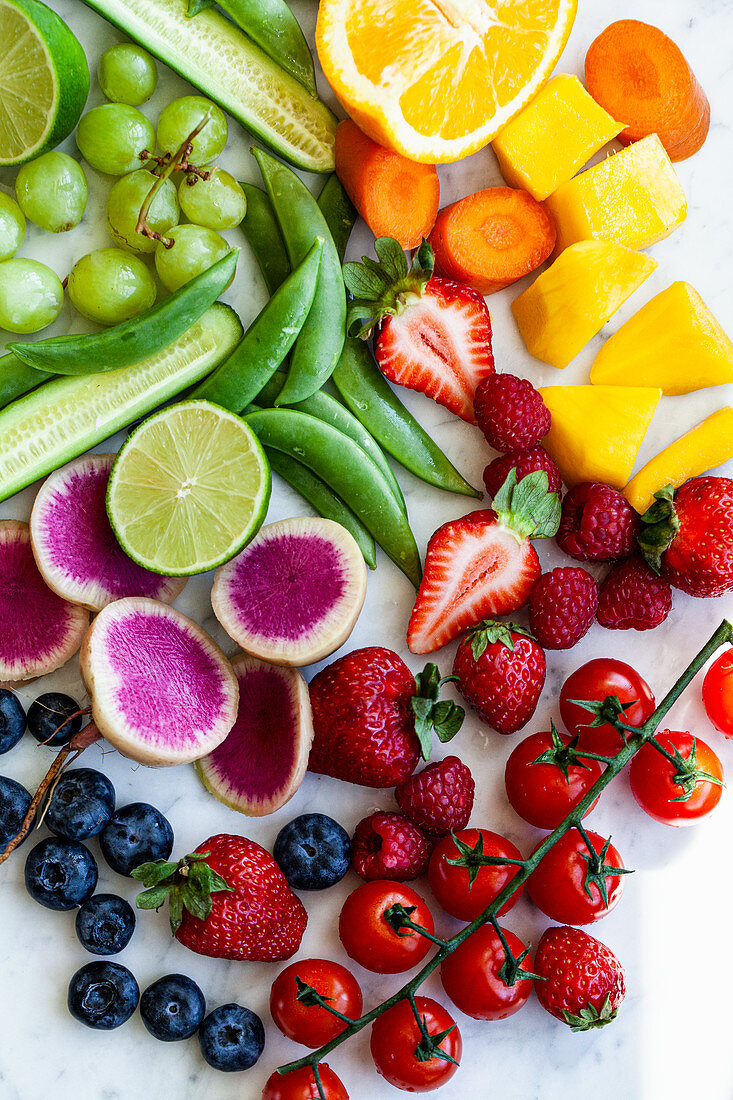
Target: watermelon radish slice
<point>261,764</point>
<point>39,631</point>
<point>75,547</point>
<point>293,595</point>
<point>162,691</point>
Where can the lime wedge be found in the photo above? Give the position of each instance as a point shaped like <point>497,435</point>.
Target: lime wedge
<point>44,80</point>
<point>189,489</point>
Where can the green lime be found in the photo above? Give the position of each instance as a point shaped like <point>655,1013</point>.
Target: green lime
<point>44,80</point>
<point>189,489</point>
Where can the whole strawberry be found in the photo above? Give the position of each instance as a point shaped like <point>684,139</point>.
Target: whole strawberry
<point>597,523</point>
<point>633,597</point>
<point>524,462</point>
<point>510,412</point>
<point>501,672</point>
<point>228,899</point>
<point>562,607</point>
<point>584,981</point>
<point>388,846</point>
<point>439,798</point>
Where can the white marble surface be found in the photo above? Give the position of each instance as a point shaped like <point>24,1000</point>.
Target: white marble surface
<point>672,929</point>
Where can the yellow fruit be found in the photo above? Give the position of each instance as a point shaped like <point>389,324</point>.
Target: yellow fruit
<point>704,447</point>
<point>673,342</point>
<point>553,137</point>
<point>597,431</point>
<point>633,197</point>
<point>437,79</point>
<point>570,302</point>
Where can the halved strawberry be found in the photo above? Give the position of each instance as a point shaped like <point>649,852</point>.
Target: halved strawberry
<point>432,334</point>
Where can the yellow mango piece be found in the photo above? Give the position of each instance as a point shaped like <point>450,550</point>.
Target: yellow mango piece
<point>704,447</point>
<point>597,431</point>
<point>633,197</point>
<point>673,342</point>
<point>570,302</point>
<point>555,135</point>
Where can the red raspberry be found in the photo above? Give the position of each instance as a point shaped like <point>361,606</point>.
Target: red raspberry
<point>633,597</point>
<point>597,524</point>
<point>524,462</point>
<point>387,845</point>
<point>439,798</point>
<point>510,412</point>
<point>562,607</point>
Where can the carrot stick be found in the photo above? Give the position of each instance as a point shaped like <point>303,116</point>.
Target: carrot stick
<point>641,78</point>
<point>395,196</point>
<point>492,238</point>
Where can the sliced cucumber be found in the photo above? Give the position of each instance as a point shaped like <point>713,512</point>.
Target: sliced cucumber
<point>69,415</point>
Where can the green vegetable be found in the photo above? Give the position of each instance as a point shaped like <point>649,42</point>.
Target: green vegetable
<point>132,340</point>
<point>264,237</point>
<point>17,378</point>
<point>339,212</point>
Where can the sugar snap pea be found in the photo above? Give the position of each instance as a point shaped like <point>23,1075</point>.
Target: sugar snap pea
<point>265,239</point>
<point>339,212</point>
<point>136,339</point>
<point>17,378</point>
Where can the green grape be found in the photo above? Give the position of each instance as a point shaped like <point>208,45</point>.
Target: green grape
<point>217,203</point>
<point>123,209</point>
<point>52,191</point>
<point>127,74</point>
<point>181,117</point>
<point>113,137</point>
<point>110,285</point>
<point>12,226</point>
<point>31,295</point>
<point>194,250</point>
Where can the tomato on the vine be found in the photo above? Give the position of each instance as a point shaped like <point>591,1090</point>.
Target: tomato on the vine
<point>302,1018</point>
<point>660,787</point>
<point>545,780</point>
<point>482,980</point>
<point>368,936</point>
<point>462,884</point>
<point>301,1085</point>
<point>595,681</point>
<point>570,882</point>
<point>412,1056</point>
<point>717,693</point>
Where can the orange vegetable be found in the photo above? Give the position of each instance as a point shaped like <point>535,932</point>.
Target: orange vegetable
<point>641,78</point>
<point>395,196</point>
<point>492,238</point>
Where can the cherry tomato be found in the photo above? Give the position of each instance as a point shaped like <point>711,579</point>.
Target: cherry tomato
<point>452,885</point>
<point>313,1025</point>
<point>717,693</point>
<point>594,681</point>
<point>398,1046</point>
<point>471,976</point>
<point>558,885</point>
<point>653,786</point>
<point>301,1085</point>
<point>370,940</point>
<point>541,793</point>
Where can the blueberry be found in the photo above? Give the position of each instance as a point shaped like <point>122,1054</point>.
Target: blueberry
<point>47,719</point>
<point>103,995</point>
<point>14,803</point>
<point>137,834</point>
<point>232,1038</point>
<point>12,720</point>
<point>104,924</point>
<point>313,852</point>
<point>172,1008</point>
<point>60,873</point>
<point>81,805</point>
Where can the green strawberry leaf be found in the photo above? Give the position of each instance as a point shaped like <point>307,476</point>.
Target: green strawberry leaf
<point>443,716</point>
<point>489,631</point>
<point>386,286</point>
<point>660,524</point>
<point>589,1017</point>
<point>527,508</point>
<point>187,884</point>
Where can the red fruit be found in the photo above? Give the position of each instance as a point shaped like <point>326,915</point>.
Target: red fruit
<point>680,793</point>
<point>301,1085</point>
<point>380,945</point>
<point>481,981</point>
<point>501,672</point>
<point>463,879</point>
<point>584,981</point>
<point>717,693</point>
<point>545,779</point>
<point>597,524</point>
<point>439,798</point>
<point>576,883</point>
<point>633,597</point>
<point>524,462</point>
<point>562,607</point>
<point>408,1054</point>
<point>510,412</point>
<point>388,846</point>
<point>305,1020</point>
<point>595,681</point>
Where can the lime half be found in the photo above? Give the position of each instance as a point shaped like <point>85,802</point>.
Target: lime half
<point>189,489</point>
<point>44,80</point>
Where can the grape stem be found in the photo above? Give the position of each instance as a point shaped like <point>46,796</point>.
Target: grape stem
<point>179,162</point>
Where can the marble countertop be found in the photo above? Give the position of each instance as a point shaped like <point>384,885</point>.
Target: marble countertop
<point>672,928</point>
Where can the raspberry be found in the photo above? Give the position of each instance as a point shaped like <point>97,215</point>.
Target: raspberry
<point>525,462</point>
<point>562,607</point>
<point>510,412</point>
<point>439,798</point>
<point>633,597</point>
<point>388,846</point>
<point>597,524</point>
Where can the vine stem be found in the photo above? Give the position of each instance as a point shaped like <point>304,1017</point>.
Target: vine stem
<point>616,764</point>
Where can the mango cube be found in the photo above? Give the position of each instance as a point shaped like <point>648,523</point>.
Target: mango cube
<point>673,342</point>
<point>633,197</point>
<point>553,137</point>
<point>570,302</point>
<point>597,431</point>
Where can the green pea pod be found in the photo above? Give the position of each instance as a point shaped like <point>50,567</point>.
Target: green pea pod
<point>347,470</point>
<point>265,239</point>
<point>17,378</point>
<point>339,212</point>
<point>136,339</point>
<point>267,340</point>
<point>319,346</point>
